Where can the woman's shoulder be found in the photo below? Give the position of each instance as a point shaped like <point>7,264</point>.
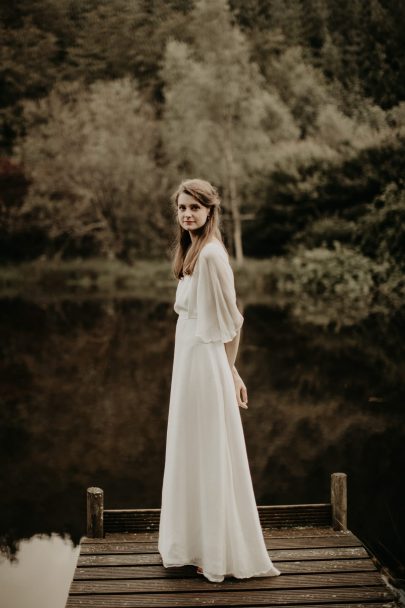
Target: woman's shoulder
<point>213,249</point>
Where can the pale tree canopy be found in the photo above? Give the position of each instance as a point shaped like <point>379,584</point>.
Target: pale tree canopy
<point>90,151</point>
<point>220,121</point>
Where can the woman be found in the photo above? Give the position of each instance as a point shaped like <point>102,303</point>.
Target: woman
<point>208,514</point>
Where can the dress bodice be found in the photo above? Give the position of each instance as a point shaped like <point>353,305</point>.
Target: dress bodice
<point>208,295</point>
<point>182,302</point>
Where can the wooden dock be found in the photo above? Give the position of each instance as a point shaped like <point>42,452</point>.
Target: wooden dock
<point>322,563</point>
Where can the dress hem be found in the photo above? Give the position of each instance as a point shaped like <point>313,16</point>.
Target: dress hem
<point>216,578</point>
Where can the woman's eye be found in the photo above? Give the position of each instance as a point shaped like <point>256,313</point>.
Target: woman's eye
<point>193,207</point>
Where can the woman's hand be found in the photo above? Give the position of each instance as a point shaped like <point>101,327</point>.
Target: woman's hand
<point>240,388</point>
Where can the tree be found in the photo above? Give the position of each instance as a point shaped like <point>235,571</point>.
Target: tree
<point>339,164</point>
<point>357,44</point>
<point>27,69</point>
<point>15,236</point>
<point>49,41</point>
<point>136,32</point>
<point>219,119</point>
<point>89,151</point>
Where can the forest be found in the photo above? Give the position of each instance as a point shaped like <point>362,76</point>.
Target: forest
<point>294,109</point>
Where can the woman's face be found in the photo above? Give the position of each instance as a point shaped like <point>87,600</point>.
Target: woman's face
<point>191,214</point>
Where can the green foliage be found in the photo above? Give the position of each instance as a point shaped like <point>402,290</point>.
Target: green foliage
<point>340,272</point>
<point>301,87</point>
<point>27,68</point>
<point>325,231</point>
<point>217,94</point>
<point>293,108</point>
<point>48,41</point>
<point>335,285</point>
<point>17,238</point>
<point>337,170</point>
<point>357,45</point>
<point>90,154</point>
<point>136,32</point>
<point>381,233</point>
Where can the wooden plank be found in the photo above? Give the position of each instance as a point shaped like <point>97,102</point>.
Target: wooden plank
<point>357,604</point>
<point>267,532</point>
<point>300,506</point>
<point>274,543</point>
<point>261,509</point>
<point>298,567</point>
<point>153,517</point>
<point>276,597</point>
<point>106,548</point>
<point>314,514</point>
<point>122,537</point>
<point>200,584</point>
<point>147,536</point>
<point>132,559</point>
<point>381,604</point>
<point>129,526</point>
<point>140,512</point>
<point>304,532</point>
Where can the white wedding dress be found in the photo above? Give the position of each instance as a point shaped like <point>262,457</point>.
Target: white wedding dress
<point>208,515</point>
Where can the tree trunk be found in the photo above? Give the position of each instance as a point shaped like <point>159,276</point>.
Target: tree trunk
<point>237,226</point>
<point>233,201</point>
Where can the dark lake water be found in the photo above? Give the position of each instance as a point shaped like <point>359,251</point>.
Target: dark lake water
<point>84,401</point>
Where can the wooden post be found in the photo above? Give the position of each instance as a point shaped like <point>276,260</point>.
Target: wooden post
<point>95,513</point>
<point>338,499</point>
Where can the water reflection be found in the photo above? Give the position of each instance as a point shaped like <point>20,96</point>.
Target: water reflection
<point>85,387</point>
<point>40,574</point>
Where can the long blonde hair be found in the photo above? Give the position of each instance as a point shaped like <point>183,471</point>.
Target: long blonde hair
<point>185,252</point>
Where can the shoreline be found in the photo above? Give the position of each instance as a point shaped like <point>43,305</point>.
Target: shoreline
<point>315,292</point>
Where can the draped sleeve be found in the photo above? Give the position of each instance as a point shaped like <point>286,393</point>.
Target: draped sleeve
<point>218,317</point>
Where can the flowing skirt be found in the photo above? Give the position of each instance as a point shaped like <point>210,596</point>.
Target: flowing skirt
<point>208,516</point>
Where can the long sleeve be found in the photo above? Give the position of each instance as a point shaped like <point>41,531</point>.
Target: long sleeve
<point>218,317</point>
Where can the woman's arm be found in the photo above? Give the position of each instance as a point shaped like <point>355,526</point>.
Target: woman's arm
<point>218,317</point>
<point>231,349</point>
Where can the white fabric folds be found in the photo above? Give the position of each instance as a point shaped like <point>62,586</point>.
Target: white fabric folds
<point>218,318</point>
<point>208,514</point>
